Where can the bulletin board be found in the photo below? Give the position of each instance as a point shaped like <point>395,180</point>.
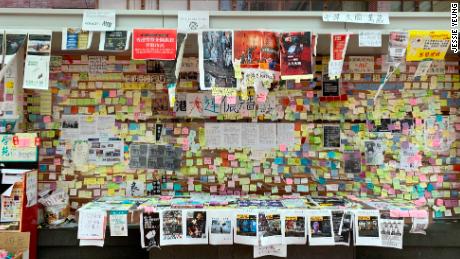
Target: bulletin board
<point>410,132</point>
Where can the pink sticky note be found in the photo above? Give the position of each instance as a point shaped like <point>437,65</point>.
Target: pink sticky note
<point>23,142</point>
<point>47,119</point>
<point>422,178</point>
<point>439,202</point>
<point>418,122</point>
<point>283,147</point>
<point>207,161</point>
<point>234,163</point>
<point>231,99</point>
<point>113,93</point>
<point>420,202</point>
<point>404,213</point>
<point>440,179</point>
<point>457,126</point>
<point>185,131</point>
<point>310,94</point>
<point>421,214</point>
<point>413,101</point>
<point>288,180</point>
<point>231,157</point>
<point>213,188</point>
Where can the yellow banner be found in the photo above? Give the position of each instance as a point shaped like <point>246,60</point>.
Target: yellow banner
<point>427,45</point>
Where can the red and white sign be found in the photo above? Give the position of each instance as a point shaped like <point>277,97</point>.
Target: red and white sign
<point>339,46</point>
<point>154,44</point>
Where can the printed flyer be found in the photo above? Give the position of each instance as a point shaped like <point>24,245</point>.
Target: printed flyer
<point>158,44</point>
<point>296,55</point>
<point>221,225</point>
<point>423,45</point>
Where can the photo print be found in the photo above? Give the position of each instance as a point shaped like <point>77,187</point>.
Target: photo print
<point>341,221</point>
<point>150,229</point>
<point>373,150</point>
<point>171,227</point>
<point>247,48</point>
<point>196,231</point>
<point>367,228</point>
<point>331,136</point>
<point>295,231</point>
<point>392,231</point>
<point>296,55</point>
<point>352,161</point>
<point>221,225</point>
<point>320,225</point>
<point>269,228</point>
<point>270,51</point>
<point>246,228</point>
<point>216,59</point>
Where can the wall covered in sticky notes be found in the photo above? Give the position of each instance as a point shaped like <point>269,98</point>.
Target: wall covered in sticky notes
<point>100,133</point>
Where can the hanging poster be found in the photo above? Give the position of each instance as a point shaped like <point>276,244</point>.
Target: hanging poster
<point>158,44</point>
<point>373,150</point>
<point>341,222</point>
<point>331,136</point>
<point>114,40</point>
<point>269,228</point>
<point>320,226</point>
<point>91,224</point>
<point>392,231</point>
<point>357,17</point>
<point>216,59</point>
<point>171,227</point>
<point>150,229</point>
<point>339,43</point>
<point>221,224</point>
<point>196,229</point>
<point>296,55</point>
<point>424,45</point>
<point>247,48</point>
<point>14,40</point>
<point>192,21</point>
<point>36,70</point>
<point>397,45</point>
<point>367,228</point>
<point>246,228</point>
<point>270,51</point>
<point>294,228</point>
<point>76,39</point>
<point>437,132</point>
<point>118,222</point>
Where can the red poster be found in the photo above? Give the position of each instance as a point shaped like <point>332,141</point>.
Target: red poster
<point>339,46</point>
<point>247,48</point>
<point>295,48</point>
<point>270,52</point>
<point>159,44</point>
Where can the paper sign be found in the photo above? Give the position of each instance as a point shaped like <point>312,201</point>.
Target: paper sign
<point>159,44</point>
<point>31,188</point>
<point>150,229</point>
<point>118,223</point>
<point>357,17</point>
<point>392,231</point>
<point>271,250</point>
<point>367,228</point>
<point>98,20</point>
<point>15,242</point>
<point>91,224</point>
<point>192,21</point>
<point>76,39</point>
<point>370,39</point>
<point>114,40</point>
<point>221,224</point>
<point>36,69</point>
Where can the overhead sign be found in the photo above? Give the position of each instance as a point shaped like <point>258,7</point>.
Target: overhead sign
<point>98,20</point>
<point>357,17</point>
<point>192,21</point>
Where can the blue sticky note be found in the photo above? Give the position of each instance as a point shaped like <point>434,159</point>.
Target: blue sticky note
<point>177,187</point>
<point>331,154</point>
<point>438,214</point>
<point>355,128</point>
<point>429,187</point>
<point>370,186</point>
<point>438,118</point>
<point>279,161</point>
<point>322,180</point>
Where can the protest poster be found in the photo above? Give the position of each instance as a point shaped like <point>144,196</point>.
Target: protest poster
<point>37,63</point>
<point>76,39</point>
<point>296,55</point>
<point>158,44</point>
<point>114,40</point>
<point>423,45</point>
<point>247,48</point>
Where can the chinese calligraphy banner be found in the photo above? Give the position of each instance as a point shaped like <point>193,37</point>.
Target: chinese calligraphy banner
<point>24,150</point>
<point>425,45</point>
<point>158,44</point>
